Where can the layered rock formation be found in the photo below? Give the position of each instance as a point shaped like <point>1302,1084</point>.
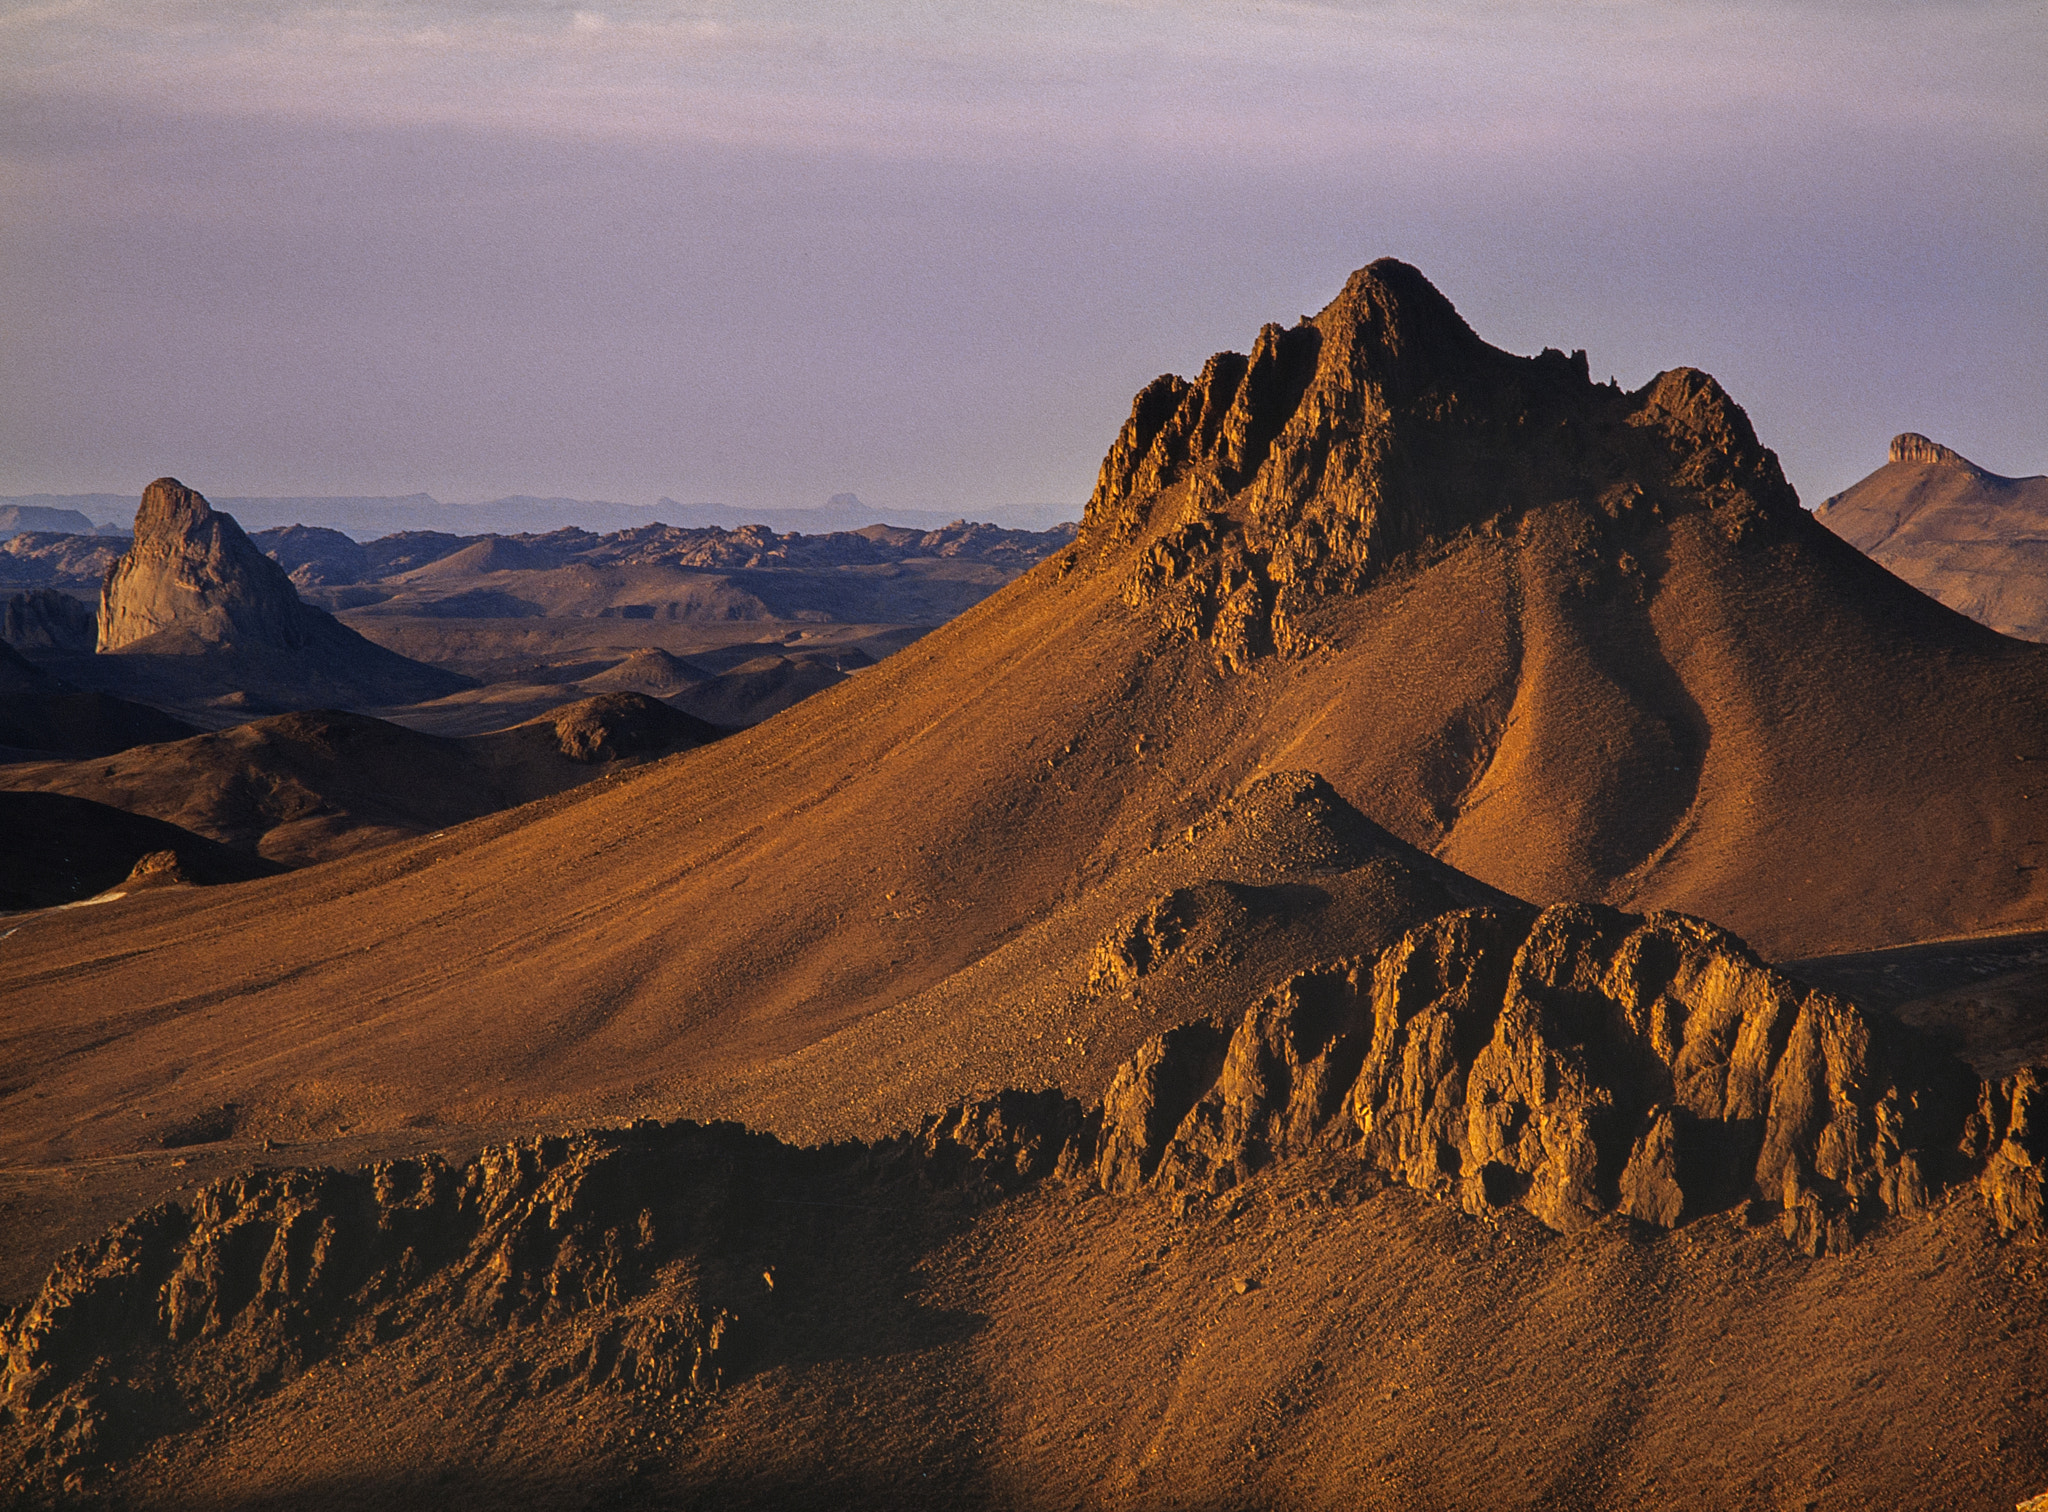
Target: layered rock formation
<point>1916,450</point>
<point>1974,540</point>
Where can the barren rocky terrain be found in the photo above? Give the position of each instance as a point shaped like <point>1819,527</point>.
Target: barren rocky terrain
<point>1274,1007</point>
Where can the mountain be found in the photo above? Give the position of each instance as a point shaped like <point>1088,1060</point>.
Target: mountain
<point>1208,955</point>
<point>193,612</point>
<point>1970,538</point>
<point>844,513</point>
<point>70,508</point>
<point>62,561</point>
<point>15,518</point>
<point>367,518</point>
<point>1575,642</point>
<point>878,574</point>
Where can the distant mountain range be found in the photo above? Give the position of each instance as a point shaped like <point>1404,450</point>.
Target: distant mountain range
<point>18,516</point>
<point>367,518</point>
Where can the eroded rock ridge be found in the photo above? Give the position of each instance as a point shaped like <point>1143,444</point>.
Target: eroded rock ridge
<point>1585,1064</point>
<point>1589,1063</point>
<point>1382,427</point>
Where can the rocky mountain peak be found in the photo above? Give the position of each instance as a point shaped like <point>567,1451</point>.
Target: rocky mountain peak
<point>192,570</point>
<point>1911,447</point>
<point>1381,427</point>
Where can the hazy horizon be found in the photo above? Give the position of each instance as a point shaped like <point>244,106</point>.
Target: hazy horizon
<point>926,255</point>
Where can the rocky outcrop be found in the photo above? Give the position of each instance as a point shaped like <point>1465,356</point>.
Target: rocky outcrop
<point>640,1260</point>
<point>1588,1064</point>
<point>218,615</point>
<point>1379,429</point>
<point>192,571</point>
<point>1915,449</point>
<point>191,1306</point>
<point>2010,1132</point>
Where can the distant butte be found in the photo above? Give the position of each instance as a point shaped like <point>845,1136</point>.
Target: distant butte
<point>1958,532</point>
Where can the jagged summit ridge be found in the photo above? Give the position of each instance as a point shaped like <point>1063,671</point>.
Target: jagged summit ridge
<point>193,570</point>
<point>1382,426</point>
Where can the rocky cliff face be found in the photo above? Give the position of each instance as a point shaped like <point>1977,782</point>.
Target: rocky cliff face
<point>1378,429</point>
<point>1586,1064</point>
<point>192,571</point>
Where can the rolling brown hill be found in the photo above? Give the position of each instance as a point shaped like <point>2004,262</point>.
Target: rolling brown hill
<point>1970,538</point>
<point>1369,632</point>
<point>307,787</point>
<point>57,850</point>
<point>41,715</point>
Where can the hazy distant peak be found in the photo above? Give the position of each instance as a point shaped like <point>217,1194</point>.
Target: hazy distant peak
<point>845,501</point>
<point>1910,446</point>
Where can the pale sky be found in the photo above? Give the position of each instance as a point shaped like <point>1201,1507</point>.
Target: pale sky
<point>760,254</point>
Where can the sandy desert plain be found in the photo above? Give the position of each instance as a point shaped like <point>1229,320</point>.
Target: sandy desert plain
<point>1451,946</point>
